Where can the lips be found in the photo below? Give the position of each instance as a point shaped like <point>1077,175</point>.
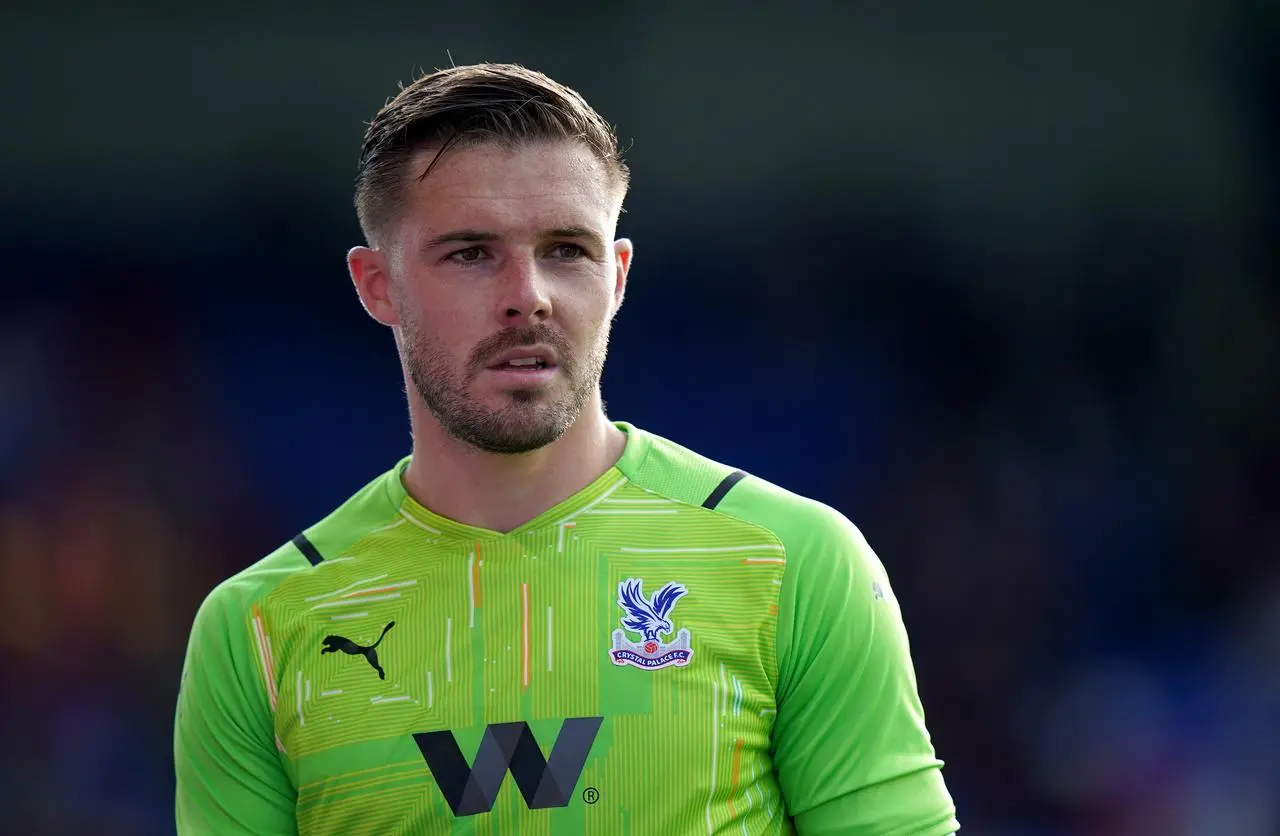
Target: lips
<point>523,363</point>
<point>528,358</point>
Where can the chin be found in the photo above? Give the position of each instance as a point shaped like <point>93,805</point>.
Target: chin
<point>516,439</point>
<point>519,424</point>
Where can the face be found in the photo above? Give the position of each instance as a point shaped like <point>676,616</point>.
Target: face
<point>501,281</point>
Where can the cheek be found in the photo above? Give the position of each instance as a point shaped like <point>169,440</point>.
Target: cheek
<point>433,335</point>
<point>594,309</point>
<point>434,326</point>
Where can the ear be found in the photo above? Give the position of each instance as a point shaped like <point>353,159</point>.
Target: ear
<point>372,278</point>
<point>622,254</point>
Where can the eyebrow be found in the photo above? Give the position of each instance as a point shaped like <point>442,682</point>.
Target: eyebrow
<point>466,236</point>
<point>477,236</point>
<point>575,232</point>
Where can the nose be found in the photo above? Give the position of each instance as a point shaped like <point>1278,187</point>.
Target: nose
<point>524,296</point>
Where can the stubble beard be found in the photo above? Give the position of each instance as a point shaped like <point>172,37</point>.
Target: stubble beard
<point>531,419</point>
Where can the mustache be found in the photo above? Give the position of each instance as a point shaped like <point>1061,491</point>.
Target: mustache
<point>488,349</point>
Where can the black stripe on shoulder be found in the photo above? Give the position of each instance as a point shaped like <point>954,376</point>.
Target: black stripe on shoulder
<point>722,489</point>
<point>308,549</point>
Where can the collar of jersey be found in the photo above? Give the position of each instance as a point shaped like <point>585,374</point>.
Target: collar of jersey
<point>636,448</point>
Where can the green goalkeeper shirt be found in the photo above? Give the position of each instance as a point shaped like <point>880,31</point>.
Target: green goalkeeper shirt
<point>677,649</point>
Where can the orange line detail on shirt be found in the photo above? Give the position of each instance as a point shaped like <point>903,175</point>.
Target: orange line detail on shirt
<point>524,631</point>
<point>268,660</point>
<point>733,785</point>
<point>369,591</point>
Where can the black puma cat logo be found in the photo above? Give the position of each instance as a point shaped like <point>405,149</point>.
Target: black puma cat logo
<point>332,644</point>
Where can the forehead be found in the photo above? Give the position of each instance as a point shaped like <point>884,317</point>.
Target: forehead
<point>490,186</point>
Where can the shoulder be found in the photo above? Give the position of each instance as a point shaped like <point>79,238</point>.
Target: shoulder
<point>801,523</point>
<point>234,599</point>
<point>806,528</point>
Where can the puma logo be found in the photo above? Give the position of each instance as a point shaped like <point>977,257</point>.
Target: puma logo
<point>332,644</point>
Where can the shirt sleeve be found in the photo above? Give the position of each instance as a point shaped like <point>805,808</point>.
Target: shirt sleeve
<point>230,778</point>
<point>851,748</point>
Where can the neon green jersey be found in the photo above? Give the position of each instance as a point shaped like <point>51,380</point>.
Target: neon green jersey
<point>677,649</point>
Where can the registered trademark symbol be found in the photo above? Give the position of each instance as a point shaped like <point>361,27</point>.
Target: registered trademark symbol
<point>591,795</point>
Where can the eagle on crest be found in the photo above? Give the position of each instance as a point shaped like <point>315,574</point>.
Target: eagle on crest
<point>648,616</point>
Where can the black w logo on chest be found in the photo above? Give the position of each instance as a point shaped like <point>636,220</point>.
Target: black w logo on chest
<point>333,644</point>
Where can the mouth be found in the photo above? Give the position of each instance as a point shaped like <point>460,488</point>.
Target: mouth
<point>525,360</point>
<point>521,364</point>
<point>531,366</point>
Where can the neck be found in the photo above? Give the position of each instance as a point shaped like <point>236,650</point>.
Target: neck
<point>502,492</point>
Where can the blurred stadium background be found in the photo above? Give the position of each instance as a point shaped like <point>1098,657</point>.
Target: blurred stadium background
<point>998,280</point>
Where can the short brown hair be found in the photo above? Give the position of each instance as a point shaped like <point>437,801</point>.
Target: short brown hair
<point>503,103</point>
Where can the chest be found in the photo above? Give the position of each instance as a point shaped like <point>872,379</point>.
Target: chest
<point>515,678</point>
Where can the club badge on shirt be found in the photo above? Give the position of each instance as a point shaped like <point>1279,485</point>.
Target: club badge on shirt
<point>648,617</point>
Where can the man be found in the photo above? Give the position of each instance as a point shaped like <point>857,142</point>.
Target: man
<point>541,621</point>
